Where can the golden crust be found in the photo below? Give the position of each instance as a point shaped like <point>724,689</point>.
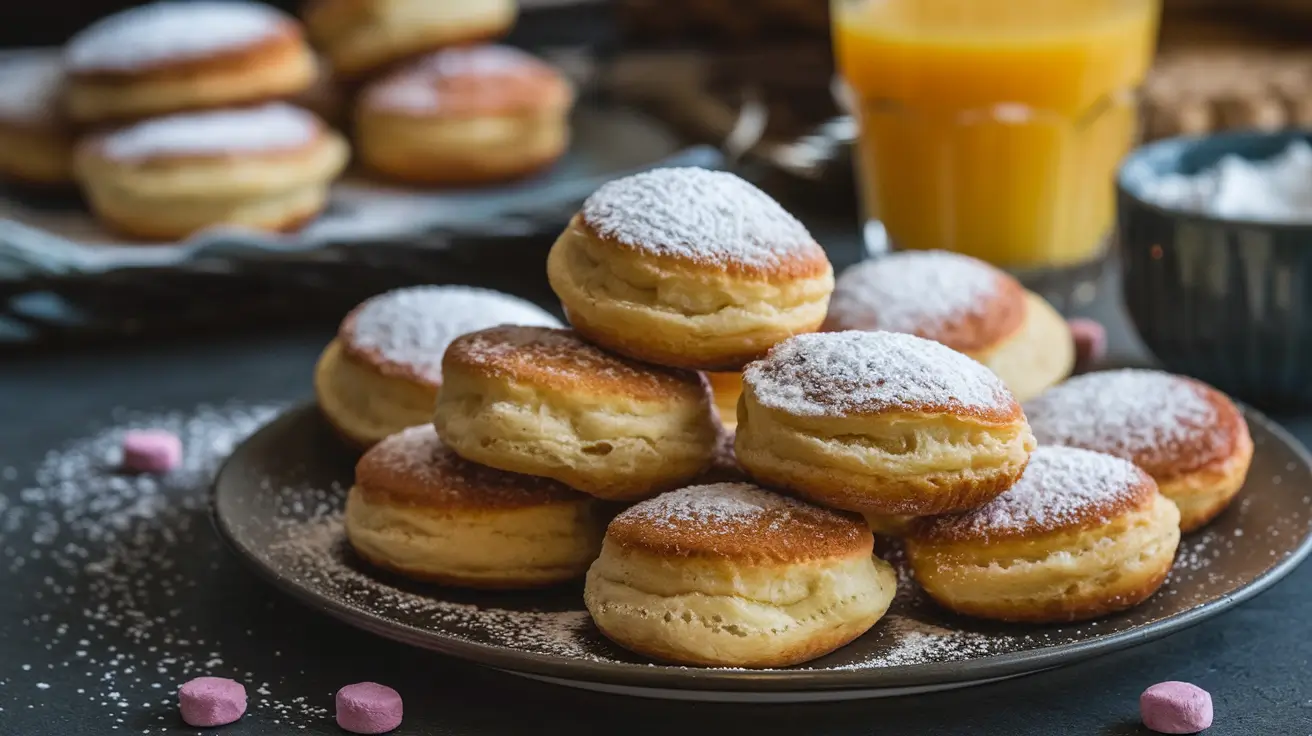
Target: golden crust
<point>1205,492</point>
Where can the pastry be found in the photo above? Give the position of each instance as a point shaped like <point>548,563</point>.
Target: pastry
<point>731,575</point>
<point>1187,435</point>
<point>363,37</point>
<point>727,387</point>
<point>881,423</point>
<point>169,57</point>
<point>382,372</point>
<point>544,402</point>
<point>266,168</point>
<point>1080,535</point>
<point>420,510</point>
<point>465,116</point>
<point>36,146</point>
<point>963,303</point>
<point>690,268</point>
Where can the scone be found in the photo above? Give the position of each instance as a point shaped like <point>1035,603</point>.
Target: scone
<point>1081,535</point>
<point>1187,435</point>
<point>727,387</point>
<point>264,168</point>
<point>465,116</point>
<point>36,146</point>
<point>363,37</point>
<point>689,268</point>
<point>544,402</point>
<point>169,57</point>
<point>382,372</point>
<point>731,575</point>
<point>419,510</point>
<point>963,303</point>
<point>880,423</point>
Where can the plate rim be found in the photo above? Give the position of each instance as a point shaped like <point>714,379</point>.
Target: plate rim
<point>675,677</point>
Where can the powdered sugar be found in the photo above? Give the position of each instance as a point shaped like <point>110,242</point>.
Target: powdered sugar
<point>413,327</point>
<point>708,217</point>
<point>29,87</point>
<point>164,32</point>
<point>834,373</point>
<point>470,76</point>
<point>718,508</point>
<point>917,292</point>
<point>269,127</point>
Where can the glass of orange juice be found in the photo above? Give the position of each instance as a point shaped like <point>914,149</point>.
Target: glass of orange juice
<point>993,127</point>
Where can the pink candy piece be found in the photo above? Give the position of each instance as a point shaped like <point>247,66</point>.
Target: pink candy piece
<point>1176,707</point>
<point>1090,342</point>
<point>151,451</point>
<point>211,701</point>
<point>367,707</point>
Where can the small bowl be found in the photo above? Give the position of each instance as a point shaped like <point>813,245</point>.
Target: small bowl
<point>1226,301</point>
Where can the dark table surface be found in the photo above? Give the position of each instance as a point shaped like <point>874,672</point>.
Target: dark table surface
<point>96,642</point>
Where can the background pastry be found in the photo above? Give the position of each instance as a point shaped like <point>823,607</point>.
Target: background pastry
<point>465,115</point>
<point>544,402</point>
<point>880,423</point>
<point>690,268</point>
<point>1187,435</point>
<point>734,575</point>
<point>964,303</point>
<point>382,372</point>
<point>727,387</point>
<point>1082,534</point>
<point>418,509</point>
<point>36,146</point>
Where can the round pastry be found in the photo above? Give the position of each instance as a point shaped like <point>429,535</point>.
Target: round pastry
<point>35,145</point>
<point>1187,435</point>
<point>465,116</point>
<point>1080,535</point>
<point>266,168</point>
<point>362,37</point>
<point>544,402</point>
<point>881,423</point>
<point>169,57</point>
<point>732,575</point>
<point>420,510</point>
<point>690,268</point>
<point>963,303</point>
<point>727,387</point>
<point>382,372</point>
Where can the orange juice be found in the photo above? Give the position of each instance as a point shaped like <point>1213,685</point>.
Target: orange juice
<point>994,127</point>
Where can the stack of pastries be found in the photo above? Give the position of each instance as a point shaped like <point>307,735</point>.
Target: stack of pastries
<point>599,450</point>
<point>174,117</point>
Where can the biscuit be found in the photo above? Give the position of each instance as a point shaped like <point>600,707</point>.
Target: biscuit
<point>36,146</point>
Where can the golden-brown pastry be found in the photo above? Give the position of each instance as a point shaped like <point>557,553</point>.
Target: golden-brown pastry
<point>382,372</point>
<point>689,268</point>
<point>465,116</point>
<point>963,303</point>
<point>1081,535</point>
<point>266,168</point>
<point>36,147</point>
<point>418,509</point>
<point>169,57</point>
<point>363,37</point>
<point>727,387</point>
<point>1187,435</point>
<point>543,402</point>
<point>881,423</point>
<point>734,575</point>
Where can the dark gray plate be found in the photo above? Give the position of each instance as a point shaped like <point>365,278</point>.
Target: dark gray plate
<point>279,497</point>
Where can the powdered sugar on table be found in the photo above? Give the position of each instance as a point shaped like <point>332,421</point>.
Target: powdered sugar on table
<point>271,127</point>
<point>917,292</point>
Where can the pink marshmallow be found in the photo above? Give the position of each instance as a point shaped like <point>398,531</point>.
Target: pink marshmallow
<point>211,701</point>
<point>151,451</point>
<point>1090,343</point>
<point>1175,708</point>
<point>367,707</point>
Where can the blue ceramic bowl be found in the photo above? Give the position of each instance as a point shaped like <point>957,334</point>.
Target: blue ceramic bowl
<point>1226,301</point>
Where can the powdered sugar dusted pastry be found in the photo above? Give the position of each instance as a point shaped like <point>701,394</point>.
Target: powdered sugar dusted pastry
<point>1187,435</point>
<point>1082,534</point>
<point>168,57</point>
<point>881,423</point>
<point>383,371</point>
<point>545,402</point>
<point>418,509</point>
<point>734,575</point>
<point>963,303</point>
<point>465,115</point>
<point>690,268</point>
<point>266,167</point>
<point>36,146</point>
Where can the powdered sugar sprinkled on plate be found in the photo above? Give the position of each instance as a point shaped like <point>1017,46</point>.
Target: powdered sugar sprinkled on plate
<point>916,292</point>
<point>271,127</point>
<point>30,86</point>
